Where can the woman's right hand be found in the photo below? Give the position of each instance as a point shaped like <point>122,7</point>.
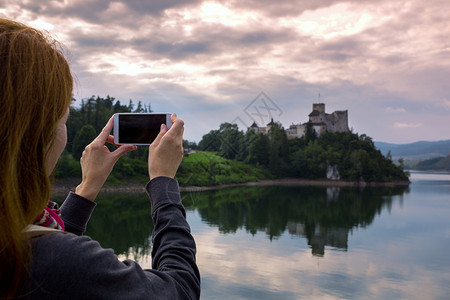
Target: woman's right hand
<point>97,162</point>
<point>166,151</point>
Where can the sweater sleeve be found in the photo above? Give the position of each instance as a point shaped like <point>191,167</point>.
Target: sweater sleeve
<point>67,266</point>
<point>76,212</point>
<point>174,248</point>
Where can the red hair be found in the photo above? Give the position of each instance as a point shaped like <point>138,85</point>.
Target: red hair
<point>35,91</point>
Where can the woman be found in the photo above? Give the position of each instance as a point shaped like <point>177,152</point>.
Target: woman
<point>38,262</point>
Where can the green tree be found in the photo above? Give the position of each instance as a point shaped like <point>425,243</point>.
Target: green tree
<point>67,166</point>
<point>230,137</point>
<point>258,150</point>
<point>210,141</point>
<point>278,150</point>
<point>139,107</point>
<point>118,108</point>
<point>74,124</point>
<point>310,133</point>
<point>316,164</point>
<point>244,143</point>
<point>86,135</point>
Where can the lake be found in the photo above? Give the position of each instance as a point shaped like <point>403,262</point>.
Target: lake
<point>303,242</point>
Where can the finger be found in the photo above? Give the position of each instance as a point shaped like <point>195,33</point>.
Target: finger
<point>124,149</point>
<point>103,136</point>
<point>177,128</point>
<point>173,117</point>
<point>110,139</point>
<point>161,133</point>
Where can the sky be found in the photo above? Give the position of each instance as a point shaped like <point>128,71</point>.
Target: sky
<point>242,61</point>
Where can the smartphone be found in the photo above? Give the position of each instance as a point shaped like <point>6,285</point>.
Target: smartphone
<point>138,128</point>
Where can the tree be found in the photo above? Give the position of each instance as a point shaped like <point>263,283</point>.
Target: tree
<point>130,105</point>
<point>74,123</point>
<point>147,108</point>
<point>67,166</point>
<point>90,107</point>
<point>86,135</point>
<point>310,133</point>
<point>258,150</point>
<point>230,137</point>
<point>139,107</point>
<point>118,108</point>
<point>210,141</point>
<point>244,143</point>
<point>278,150</point>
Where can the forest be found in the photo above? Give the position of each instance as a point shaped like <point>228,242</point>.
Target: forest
<point>229,155</point>
<point>436,164</point>
<point>354,155</point>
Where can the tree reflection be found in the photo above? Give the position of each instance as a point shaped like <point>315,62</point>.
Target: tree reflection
<point>324,216</point>
<point>123,222</point>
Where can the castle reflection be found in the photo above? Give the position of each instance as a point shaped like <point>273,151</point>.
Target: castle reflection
<point>323,216</point>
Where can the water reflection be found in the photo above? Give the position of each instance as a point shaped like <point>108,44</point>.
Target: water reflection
<point>324,216</point>
<point>122,222</point>
<point>256,243</point>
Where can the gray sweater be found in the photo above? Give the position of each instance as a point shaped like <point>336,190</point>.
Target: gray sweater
<point>72,266</point>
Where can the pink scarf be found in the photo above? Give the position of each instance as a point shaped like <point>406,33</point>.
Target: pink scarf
<point>50,217</point>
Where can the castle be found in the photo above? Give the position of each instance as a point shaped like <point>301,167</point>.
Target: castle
<point>320,120</point>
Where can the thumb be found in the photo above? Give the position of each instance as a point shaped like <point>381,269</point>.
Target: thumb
<point>161,133</point>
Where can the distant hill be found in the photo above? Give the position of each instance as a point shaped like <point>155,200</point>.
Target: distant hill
<point>415,151</point>
<point>437,163</point>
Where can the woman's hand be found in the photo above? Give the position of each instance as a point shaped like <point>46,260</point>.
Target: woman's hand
<point>97,162</point>
<point>166,152</point>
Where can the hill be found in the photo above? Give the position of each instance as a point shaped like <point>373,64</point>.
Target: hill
<point>334,155</point>
<point>415,151</point>
<point>207,168</point>
<point>437,163</point>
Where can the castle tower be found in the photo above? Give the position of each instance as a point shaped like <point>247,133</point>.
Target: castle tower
<point>319,107</point>
<point>269,125</point>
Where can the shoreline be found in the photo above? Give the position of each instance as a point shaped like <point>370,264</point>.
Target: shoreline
<point>296,182</point>
<point>66,185</point>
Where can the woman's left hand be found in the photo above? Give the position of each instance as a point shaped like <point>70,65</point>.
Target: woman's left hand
<point>97,162</point>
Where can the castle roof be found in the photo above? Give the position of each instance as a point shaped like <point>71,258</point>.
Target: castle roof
<point>254,125</point>
<point>271,122</point>
<point>314,113</point>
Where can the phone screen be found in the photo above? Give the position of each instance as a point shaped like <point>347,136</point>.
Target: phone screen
<point>139,129</point>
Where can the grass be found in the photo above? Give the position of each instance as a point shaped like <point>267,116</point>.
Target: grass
<point>197,169</point>
<point>207,168</point>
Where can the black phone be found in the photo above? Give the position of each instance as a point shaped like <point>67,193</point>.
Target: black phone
<point>138,128</point>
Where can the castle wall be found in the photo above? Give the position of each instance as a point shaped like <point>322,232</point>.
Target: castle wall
<point>337,121</point>
<point>294,131</point>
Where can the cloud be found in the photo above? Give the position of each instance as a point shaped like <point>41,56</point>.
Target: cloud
<point>241,264</point>
<point>445,104</point>
<point>395,109</point>
<point>407,125</point>
<point>356,53</point>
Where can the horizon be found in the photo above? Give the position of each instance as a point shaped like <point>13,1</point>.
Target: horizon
<point>285,127</point>
<point>386,62</point>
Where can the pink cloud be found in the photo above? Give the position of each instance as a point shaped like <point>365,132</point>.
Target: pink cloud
<point>407,125</point>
